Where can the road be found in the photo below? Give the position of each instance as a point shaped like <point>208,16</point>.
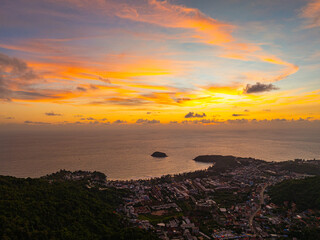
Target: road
<point>258,209</point>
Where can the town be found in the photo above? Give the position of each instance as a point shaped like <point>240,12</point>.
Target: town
<point>233,204</point>
<point>229,200</point>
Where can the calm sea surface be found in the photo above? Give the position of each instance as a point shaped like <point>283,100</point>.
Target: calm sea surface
<point>125,153</point>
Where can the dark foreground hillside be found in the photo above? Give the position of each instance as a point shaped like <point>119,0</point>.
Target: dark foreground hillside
<point>42,209</point>
<point>299,201</point>
<point>305,193</point>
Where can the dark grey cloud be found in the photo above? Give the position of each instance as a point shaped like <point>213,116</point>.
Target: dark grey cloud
<point>203,121</point>
<point>95,122</point>
<point>181,100</point>
<point>52,114</point>
<point>14,73</point>
<point>16,68</point>
<point>37,123</point>
<point>173,122</point>
<point>238,114</point>
<point>153,113</point>
<point>16,79</point>
<point>238,121</point>
<point>279,120</point>
<point>90,118</point>
<point>121,101</point>
<point>119,122</point>
<point>31,95</point>
<point>9,118</point>
<point>92,86</point>
<point>147,121</point>
<point>259,87</point>
<point>207,121</point>
<point>82,89</point>
<point>194,115</point>
<point>106,80</point>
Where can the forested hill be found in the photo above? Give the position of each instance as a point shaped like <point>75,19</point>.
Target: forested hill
<point>43,209</point>
<point>305,193</point>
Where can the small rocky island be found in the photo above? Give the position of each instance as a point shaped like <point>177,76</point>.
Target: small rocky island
<point>159,155</point>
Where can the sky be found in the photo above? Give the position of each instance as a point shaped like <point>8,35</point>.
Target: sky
<point>143,62</point>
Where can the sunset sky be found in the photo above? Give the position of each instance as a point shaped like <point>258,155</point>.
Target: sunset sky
<point>155,61</point>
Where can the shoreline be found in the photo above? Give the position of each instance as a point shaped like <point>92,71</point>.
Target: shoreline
<point>223,200</point>
<point>209,165</point>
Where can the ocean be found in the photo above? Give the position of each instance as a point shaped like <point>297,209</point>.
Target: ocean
<point>125,153</point>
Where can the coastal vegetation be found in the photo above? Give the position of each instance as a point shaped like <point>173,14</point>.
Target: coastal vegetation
<point>47,209</point>
<point>299,199</point>
<point>311,167</point>
<point>305,193</point>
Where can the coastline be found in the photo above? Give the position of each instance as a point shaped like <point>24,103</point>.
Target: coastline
<point>223,200</point>
<point>207,165</point>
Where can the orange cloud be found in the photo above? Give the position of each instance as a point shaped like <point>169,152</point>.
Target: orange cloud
<point>312,14</point>
<point>207,30</point>
<point>169,15</point>
<point>229,90</point>
<point>128,79</point>
<point>291,68</point>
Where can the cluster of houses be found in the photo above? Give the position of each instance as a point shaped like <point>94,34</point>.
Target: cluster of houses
<point>222,206</point>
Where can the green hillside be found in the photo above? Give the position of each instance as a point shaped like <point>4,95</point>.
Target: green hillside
<point>42,209</point>
<point>305,193</point>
